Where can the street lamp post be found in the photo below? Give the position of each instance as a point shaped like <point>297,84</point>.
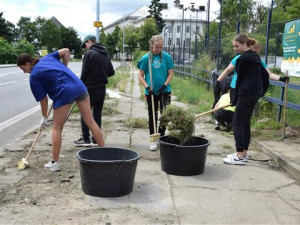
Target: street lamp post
<point>239,19</point>
<point>268,32</point>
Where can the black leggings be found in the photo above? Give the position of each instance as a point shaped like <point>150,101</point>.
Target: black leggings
<point>97,97</point>
<point>241,121</point>
<point>163,100</point>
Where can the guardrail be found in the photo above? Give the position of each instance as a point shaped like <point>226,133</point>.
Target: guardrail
<point>213,75</point>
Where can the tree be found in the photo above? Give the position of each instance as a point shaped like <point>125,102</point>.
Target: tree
<point>147,30</point>
<point>26,29</point>
<point>7,54</point>
<point>70,40</point>
<point>293,9</point>
<point>51,36</point>
<point>7,29</point>
<point>155,12</point>
<point>112,41</point>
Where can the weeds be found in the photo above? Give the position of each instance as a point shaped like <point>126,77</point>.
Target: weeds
<point>137,123</point>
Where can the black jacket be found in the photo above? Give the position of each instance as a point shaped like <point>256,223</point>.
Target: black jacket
<point>251,74</point>
<point>96,67</point>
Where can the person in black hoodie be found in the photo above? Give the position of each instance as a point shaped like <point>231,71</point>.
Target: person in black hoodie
<point>249,88</point>
<point>96,68</point>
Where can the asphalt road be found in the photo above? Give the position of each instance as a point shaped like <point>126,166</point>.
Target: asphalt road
<point>19,112</point>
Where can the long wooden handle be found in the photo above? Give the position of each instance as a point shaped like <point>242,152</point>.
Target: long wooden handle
<point>212,110</point>
<point>152,98</point>
<point>38,135</point>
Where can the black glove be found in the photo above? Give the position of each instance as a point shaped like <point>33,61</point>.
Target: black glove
<point>284,79</point>
<point>149,90</point>
<point>161,89</point>
<point>233,96</point>
<point>217,85</point>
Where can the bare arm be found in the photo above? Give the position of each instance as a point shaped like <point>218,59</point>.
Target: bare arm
<point>142,79</point>
<point>44,106</point>
<point>64,53</point>
<point>273,76</point>
<point>226,72</point>
<point>170,77</point>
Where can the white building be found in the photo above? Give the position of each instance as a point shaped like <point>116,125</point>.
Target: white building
<point>182,24</point>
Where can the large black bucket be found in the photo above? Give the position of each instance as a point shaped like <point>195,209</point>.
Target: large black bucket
<point>183,160</point>
<point>107,172</point>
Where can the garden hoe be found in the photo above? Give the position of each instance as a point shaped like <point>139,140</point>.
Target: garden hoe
<point>211,111</point>
<point>153,137</point>
<point>24,163</point>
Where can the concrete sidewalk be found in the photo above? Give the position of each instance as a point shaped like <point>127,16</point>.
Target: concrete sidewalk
<point>256,193</point>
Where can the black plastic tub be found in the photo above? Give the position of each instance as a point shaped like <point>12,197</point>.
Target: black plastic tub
<point>107,172</point>
<point>183,160</point>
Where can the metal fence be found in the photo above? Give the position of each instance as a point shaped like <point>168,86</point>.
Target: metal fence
<point>275,94</point>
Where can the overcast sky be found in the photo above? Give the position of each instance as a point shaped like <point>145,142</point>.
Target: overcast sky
<point>79,14</point>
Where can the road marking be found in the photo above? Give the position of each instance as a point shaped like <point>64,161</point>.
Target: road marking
<point>19,117</point>
<point>5,74</point>
<point>9,82</point>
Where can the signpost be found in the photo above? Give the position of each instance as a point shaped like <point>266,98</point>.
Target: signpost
<point>291,48</point>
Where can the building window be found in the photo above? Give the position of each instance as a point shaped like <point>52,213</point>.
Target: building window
<point>178,29</point>
<point>187,29</point>
<point>170,30</point>
<point>197,29</point>
<point>169,41</point>
<point>177,41</point>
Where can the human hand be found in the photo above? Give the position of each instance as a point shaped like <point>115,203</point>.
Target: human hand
<point>284,79</point>
<point>149,90</point>
<point>161,89</point>
<point>43,122</point>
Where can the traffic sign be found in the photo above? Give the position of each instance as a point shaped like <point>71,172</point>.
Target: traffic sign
<point>97,24</point>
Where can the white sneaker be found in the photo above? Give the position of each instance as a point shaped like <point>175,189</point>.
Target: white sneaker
<point>234,161</point>
<point>153,146</point>
<point>245,158</point>
<point>52,166</point>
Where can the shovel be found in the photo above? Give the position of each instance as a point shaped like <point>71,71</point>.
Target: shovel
<point>212,110</point>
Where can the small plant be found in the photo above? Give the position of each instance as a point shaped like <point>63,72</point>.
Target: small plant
<point>137,122</point>
<point>179,122</point>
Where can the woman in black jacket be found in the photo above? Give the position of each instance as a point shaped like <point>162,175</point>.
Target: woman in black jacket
<point>249,88</point>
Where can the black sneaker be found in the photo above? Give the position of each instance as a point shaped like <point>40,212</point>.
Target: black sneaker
<point>93,142</point>
<point>82,143</point>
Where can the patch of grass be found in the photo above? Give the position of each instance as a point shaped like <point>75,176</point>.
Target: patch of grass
<point>110,109</point>
<point>119,80</point>
<point>194,92</point>
<point>137,123</point>
<point>226,146</point>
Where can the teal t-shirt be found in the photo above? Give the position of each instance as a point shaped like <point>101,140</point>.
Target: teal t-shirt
<point>159,68</point>
<point>234,77</point>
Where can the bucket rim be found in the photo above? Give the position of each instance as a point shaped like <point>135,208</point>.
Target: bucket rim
<point>190,146</point>
<point>107,161</point>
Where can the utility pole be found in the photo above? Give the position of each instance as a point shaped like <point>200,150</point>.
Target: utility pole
<point>97,19</point>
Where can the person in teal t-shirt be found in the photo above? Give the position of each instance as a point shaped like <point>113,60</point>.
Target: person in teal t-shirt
<point>162,74</point>
<point>51,77</point>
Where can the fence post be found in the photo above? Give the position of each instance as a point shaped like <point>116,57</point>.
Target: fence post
<point>280,106</point>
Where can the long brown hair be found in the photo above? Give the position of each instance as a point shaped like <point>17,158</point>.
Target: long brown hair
<point>243,38</point>
<point>24,58</point>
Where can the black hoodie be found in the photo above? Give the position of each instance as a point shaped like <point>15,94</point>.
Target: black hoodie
<point>251,73</point>
<point>96,67</point>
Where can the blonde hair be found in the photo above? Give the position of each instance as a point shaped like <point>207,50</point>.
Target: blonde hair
<point>243,38</point>
<point>155,38</point>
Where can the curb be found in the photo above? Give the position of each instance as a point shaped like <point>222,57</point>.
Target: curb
<point>284,162</point>
<point>8,65</point>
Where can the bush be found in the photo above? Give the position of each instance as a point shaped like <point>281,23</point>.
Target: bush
<point>7,54</point>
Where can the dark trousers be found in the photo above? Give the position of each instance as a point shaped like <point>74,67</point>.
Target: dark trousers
<point>241,121</point>
<point>224,116</point>
<point>97,97</point>
<point>159,100</point>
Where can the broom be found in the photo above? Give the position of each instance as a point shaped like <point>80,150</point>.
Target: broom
<point>24,163</point>
<point>212,110</point>
<point>153,137</point>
